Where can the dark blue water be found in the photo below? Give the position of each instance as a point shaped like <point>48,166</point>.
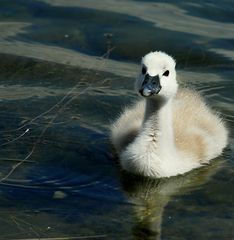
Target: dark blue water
<point>66,70</point>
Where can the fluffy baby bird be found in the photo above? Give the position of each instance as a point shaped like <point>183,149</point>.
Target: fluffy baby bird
<point>172,130</point>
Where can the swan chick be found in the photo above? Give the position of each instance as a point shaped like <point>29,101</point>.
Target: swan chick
<point>171,130</point>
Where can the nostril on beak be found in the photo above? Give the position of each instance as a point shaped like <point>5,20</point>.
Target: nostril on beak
<point>147,77</point>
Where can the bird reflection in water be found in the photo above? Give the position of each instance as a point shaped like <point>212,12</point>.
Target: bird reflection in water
<point>149,197</point>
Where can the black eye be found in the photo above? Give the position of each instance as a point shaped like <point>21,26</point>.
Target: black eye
<point>166,73</point>
<point>144,70</point>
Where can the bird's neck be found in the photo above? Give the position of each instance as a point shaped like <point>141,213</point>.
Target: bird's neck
<point>158,122</point>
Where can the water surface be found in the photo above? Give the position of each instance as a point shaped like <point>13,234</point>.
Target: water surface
<point>66,70</point>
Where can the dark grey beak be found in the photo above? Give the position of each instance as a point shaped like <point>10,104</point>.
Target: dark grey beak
<point>151,85</point>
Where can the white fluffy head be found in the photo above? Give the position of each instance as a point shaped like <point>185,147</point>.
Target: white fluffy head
<point>159,64</point>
